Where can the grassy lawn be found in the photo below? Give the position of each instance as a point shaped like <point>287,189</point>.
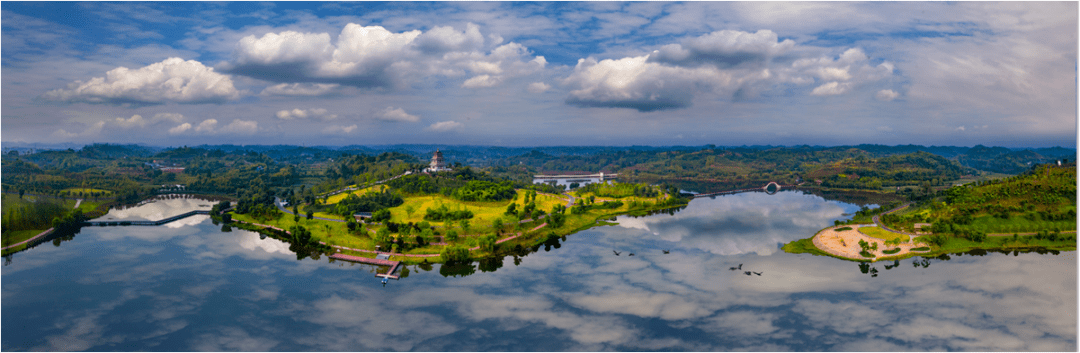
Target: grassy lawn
<point>337,198</point>
<point>303,213</point>
<point>72,192</point>
<point>326,231</point>
<point>484,213</point>
<point>14,237</point>
<point>877,232</point>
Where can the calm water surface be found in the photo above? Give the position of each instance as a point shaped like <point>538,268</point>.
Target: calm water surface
<point>191,286</point>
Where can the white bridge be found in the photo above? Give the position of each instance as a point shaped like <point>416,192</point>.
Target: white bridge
<point>601,176</point>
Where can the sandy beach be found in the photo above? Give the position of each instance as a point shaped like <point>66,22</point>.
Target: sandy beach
<point>846,243</point>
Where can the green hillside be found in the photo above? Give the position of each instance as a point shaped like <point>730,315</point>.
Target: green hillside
<point>1043,199</point>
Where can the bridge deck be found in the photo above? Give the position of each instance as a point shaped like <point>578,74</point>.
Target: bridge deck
<point>148,223</point>
<point>778,188</point>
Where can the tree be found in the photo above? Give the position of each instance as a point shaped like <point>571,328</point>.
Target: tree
<point>487,243</point>
<point>451,236</point>
<point>310,214</point>
<point>465,226</point>
<point>409,209</point>
<point>497,224</point>
<point>977,236</point>
<point>382,236</point>
<point>455,253</point>
<point>427,234</point>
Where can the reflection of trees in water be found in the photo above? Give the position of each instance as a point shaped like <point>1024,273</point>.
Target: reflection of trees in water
<point>924,262</point>
<point>860,198</point>
<point>494,262</point>
<point>668,211</point>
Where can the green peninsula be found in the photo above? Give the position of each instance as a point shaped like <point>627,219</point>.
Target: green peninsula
<point>1035,210</point>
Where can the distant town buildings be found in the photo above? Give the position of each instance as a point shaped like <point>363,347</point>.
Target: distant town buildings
<point>571,178</point>
<point>438,163</point>
<point>160,165</point>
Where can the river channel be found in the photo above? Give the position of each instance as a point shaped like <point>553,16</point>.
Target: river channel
<point>190,285</point>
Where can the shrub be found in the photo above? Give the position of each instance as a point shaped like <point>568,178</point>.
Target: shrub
<point>891,251</point>
<point>841,229</point>
<point>921,248</point>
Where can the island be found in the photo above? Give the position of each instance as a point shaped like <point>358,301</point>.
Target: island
<point>440,214</point>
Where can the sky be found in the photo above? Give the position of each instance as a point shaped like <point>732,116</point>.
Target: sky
<point>539,74</point>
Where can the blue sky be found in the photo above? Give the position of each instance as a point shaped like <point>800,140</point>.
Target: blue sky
<point>526,74</point>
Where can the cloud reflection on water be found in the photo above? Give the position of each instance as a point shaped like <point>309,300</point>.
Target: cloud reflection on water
<point>742,223</point>
<point>248,293</point>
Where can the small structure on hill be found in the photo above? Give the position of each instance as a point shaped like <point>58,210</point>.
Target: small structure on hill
<point>438,163</point>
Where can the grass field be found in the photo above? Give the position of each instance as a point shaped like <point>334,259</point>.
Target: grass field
<point>337,198</point>
<point>74,192</point>
<point>330,232</point>
<point>877,232</point>
<point>14,237</point>
<point>484,213</point>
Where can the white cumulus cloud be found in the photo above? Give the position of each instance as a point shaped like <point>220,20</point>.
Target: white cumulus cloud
<point>481,81</point>
<point>396,114</point>
<point>317,113</point>
<point>831,89</point>
<point>179,129</point>
<point>207,126</point>
<point>725,63</point>
<point>372,56</point>
<point>173,80</point>
<point>300,89</point>
<point>237,126</point>
<point>445,126</point>
<point>538,87</point>
<point>886,95</point>
<point>133,121</point>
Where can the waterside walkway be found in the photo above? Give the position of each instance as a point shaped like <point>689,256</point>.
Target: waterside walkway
<point>380,262</point>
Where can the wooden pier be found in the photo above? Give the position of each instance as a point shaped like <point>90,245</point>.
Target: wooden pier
<point>366,260</point>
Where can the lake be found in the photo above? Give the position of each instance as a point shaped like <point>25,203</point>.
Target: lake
<point>192,286</point>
